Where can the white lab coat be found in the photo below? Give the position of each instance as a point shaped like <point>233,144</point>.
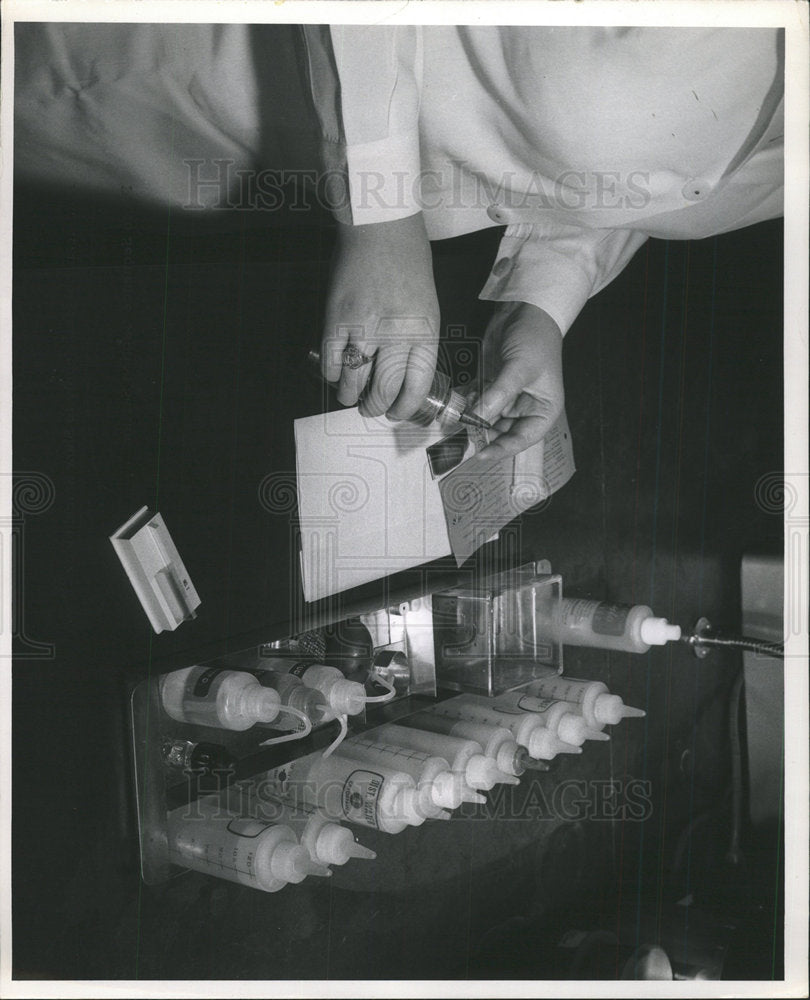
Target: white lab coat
<point>582,141</point>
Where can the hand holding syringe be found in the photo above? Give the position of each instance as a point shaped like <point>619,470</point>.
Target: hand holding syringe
<point>442,402</point>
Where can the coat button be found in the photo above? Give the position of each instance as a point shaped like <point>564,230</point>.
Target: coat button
<point>500,267</point>
<point>496,213</point>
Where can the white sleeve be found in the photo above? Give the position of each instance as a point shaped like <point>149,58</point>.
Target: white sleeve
<point>365,84</point>
<point>558,267</point>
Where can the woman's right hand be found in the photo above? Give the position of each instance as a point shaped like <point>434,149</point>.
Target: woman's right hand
<point>382,301</point>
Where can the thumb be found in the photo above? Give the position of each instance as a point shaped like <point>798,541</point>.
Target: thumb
<point>501,394</point>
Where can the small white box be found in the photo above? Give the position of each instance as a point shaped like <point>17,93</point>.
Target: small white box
<point>155,570</point>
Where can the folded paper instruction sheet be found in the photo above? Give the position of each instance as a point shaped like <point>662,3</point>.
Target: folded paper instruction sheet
<point>372,501</point>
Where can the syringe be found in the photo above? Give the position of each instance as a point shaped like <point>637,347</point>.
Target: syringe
<point>442,400</point>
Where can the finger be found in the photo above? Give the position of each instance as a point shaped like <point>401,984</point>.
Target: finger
<point>500,395</point>
<point>354,372</point>
<point>421,367</point>
<point>389,372</point>
<point>333,343</point>
<point>523,433</point>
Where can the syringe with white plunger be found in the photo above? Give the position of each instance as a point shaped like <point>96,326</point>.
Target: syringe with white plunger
<point>466,757</point>
<point>439,787</point>
<point>496,742</point>
<point>527,729</point>
<point>556,716</point>
<point>598,706</point>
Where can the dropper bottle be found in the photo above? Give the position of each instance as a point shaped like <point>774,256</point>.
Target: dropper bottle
<point>327,842</point>
<point>556,716</point>
<point>439,787</point>
<point>226,699</point>
<point>466,757</point>
<point>623,627</point>
<point>344,788</point>
<point>295,693</point>
<point>341,696</point>
<point>496,742</point>
<point>527,730</point>
<point>598,706</point>
<point>261,855</point>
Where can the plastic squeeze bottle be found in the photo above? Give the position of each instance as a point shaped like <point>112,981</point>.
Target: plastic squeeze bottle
<point>342,696</point>
<point>327,842</point>
<point>631,628</point>
<point>556,716</point>
<point>439,788</point>
<point>292,691</point>
<point>598,706</point>
<point>527,729</point>
<point>496,742</point>
<point>344,788</point>
<point>210,696</point>
<point>261,855</point>
<point>465,757</point>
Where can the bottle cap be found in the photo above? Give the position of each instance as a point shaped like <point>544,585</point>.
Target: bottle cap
<point>405,807</point>
<point>347,697</point>
<point>510,760</point>
<point>571,729</point>
<point>658,632</point>
<point>311,702</point>
<point>335,845</point>
<point>483,772</point>
<point>447,790</point>
<point>259,703</point>
<point>288,860</point>
<point>544,745</point>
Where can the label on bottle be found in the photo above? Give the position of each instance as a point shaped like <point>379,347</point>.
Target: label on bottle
<point>361,797</point>
<point>575,612</point>
<point>611,619</point>
<point>528,703</point>
<point>300,668</point>
<point>244,826</point>
<point>202,685</point>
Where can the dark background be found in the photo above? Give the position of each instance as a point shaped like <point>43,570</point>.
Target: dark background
<point>158,360</point>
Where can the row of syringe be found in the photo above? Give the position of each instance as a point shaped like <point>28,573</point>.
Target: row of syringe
<point>286,824</point>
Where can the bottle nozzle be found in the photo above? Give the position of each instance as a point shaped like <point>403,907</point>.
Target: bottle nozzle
<point>534,764</point>
<point>358,851</point>
<point>470,795</point>
<point>658,632</point>
<point>596,734</point>
<point>608,709</point>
